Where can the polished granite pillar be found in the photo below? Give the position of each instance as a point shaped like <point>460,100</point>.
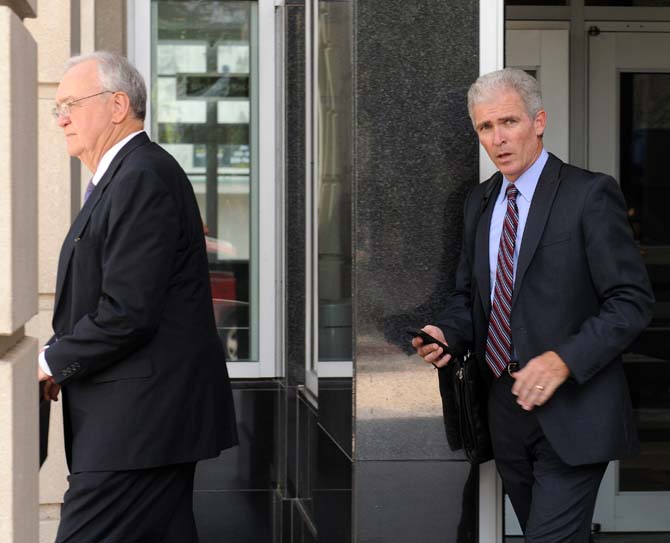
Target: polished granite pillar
<point>370,462</point>
<point>416,157</point>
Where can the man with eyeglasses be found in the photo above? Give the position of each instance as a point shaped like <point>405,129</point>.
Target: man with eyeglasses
<point>135,349</point>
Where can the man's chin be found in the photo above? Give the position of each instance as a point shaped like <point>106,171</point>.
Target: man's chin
<point>509,171</point>
<point>73,150</point>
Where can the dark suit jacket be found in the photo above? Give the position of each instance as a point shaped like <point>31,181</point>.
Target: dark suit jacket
<point>135,347</point>
<point>581,290</point>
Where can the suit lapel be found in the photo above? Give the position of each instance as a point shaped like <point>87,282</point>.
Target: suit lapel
<point>538,214</point>
<point>84,215</point>
<point>482,274</point>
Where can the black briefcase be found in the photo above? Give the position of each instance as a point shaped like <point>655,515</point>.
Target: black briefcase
<point>45,413</point>
<point>464,393</point>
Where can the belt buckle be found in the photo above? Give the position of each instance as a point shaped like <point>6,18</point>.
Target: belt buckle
<point>512,367</point>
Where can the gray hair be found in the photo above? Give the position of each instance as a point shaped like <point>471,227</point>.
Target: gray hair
<point>117,74</point>
<point>489,85</point>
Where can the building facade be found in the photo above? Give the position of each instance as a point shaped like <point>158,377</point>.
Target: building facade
<point>330,150</point>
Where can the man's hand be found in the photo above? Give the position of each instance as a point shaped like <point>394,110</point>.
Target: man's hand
<point>432,353</point>
<point>539,379</point>
<point>51,388</point>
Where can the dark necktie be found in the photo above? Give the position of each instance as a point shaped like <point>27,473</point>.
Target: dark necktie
<point>499,339</point>
<point>89,190</point>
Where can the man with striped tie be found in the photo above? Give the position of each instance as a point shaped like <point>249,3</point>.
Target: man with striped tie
<point>550,289</point>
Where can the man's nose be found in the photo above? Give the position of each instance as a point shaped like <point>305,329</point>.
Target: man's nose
<point>63,120</point>
<point>498,136</point>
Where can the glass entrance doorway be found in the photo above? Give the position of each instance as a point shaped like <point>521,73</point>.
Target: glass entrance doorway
<point>626,92</point>
<point>629,92</point>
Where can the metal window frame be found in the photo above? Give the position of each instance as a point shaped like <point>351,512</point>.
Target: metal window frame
<point>311,202</point>
<point>270,362</point>
<point>314,368</point>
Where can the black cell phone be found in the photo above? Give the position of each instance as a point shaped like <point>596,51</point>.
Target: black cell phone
<point>428,339</point>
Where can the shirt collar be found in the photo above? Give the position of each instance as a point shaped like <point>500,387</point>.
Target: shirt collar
<point>527,181</point>
<point>107,158</point>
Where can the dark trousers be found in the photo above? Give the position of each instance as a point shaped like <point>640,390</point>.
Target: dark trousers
<point>553,501</point>
<point>140,506</point>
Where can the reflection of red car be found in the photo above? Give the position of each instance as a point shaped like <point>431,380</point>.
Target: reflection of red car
<point>235,338</point>
<point>228,313</point>
<point>223,285</point>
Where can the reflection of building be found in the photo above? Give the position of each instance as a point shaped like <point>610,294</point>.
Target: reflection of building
<point>330,151</point>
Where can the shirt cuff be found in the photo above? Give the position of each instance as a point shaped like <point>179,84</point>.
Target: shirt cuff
<point>43,362</point>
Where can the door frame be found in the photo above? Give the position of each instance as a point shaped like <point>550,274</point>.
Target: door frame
<point>546,47</point>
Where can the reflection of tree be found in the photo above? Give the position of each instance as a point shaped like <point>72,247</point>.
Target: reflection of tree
<point>212,20</point>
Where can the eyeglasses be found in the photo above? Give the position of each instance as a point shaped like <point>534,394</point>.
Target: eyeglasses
<point>63,110</point>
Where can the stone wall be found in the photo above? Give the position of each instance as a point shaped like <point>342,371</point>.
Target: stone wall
<point>18,275</point>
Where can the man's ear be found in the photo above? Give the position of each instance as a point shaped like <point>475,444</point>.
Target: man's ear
<point>540,122</point>
<point>121,107</point>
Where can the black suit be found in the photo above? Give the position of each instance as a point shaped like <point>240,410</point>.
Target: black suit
<point>143,371</point>
<point>580,290</point>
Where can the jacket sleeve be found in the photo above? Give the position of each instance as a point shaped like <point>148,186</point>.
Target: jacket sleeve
<point>455,320</point>
<point>138,253</point>
<point>619,278</point>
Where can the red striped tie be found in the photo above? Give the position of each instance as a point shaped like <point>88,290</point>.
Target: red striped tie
<point>499,339</point>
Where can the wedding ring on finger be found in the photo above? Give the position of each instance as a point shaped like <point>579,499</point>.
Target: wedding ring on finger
<point>539,387</point>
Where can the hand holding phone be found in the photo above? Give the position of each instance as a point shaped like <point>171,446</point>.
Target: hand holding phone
<point>428,339</point>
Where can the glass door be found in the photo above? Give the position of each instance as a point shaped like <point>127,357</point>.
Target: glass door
<point>629,138</point>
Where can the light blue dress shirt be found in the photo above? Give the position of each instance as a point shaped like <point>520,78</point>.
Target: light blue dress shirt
<point>526,185</point>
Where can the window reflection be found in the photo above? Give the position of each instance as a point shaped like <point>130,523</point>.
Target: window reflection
<point>334,180</point>
<point>202,101</point>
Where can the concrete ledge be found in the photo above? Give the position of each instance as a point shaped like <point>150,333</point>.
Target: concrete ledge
<point>18,173</point>
<point>22,8</point>
<point>8,342</point>
<point>19,445</point>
